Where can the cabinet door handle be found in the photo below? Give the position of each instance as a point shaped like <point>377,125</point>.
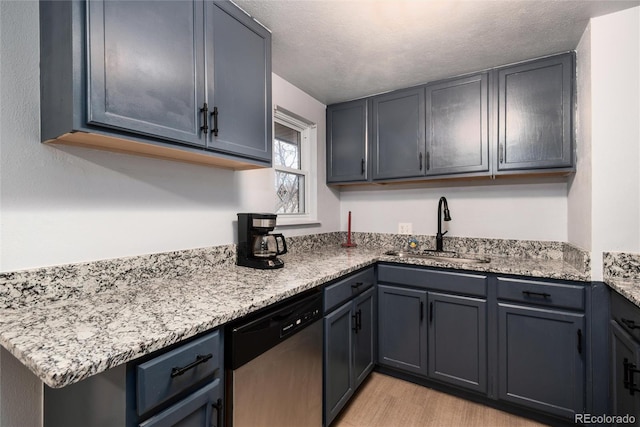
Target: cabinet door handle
<point>205,114</point>
<point>431,312</point>
<point>629,371</point>
<point>420,159</point>
<point>215,121</point>
<point>421,311</point>
<point>362,167</point>
<point>218,407</point>
<point>428,160</point>
<point>501,153</point>
<point>536,294</point>
<point>629,323</point>
<point>359,319</point>
<point>175,372</point>
<point>579,341</point>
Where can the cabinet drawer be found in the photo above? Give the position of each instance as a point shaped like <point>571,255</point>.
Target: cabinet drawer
<point>161,378</point>
<point>541,293</point>
<point>347,288</point>
<point>626,314</point>
<point>463,283</point>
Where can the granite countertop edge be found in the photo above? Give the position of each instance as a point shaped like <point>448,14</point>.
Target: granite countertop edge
<point>627,287</point>
<point>67,341</point>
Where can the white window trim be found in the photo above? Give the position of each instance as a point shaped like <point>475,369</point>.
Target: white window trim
<point>308,167</point>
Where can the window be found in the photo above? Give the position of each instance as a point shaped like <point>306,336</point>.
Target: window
<point>293,163</point>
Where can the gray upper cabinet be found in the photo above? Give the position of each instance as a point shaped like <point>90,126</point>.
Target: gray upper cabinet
<point>145,67</point>
<point>457,126</point>
<point>185,80</point>
<point>347,131</point>
<point>240,71</point>
<point>535,114</point>
<point>398,144</point>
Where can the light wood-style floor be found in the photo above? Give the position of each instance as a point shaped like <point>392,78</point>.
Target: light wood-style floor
<point>385,401</point>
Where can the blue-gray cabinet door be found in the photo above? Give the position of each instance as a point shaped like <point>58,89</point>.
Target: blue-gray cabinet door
<point>338,369</point>
<point>458,340</point>
<point>457,126</point>
<point>364,308</point>
<point>398,141</point>
<point>239,82</point>
<point>625,361</point>
<point>541,359</point>
<point>402,331</point>
<point>347,140</point>
<point>200,409</point>
<point>535,114</point>
<point>146,62</point>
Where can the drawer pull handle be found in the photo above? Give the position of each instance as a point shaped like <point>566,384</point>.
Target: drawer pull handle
<point>176,372</point>
<point>629,323</point>
<point>357,285</point>
<point>536,294</point>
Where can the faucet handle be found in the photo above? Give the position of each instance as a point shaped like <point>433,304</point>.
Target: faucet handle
<point>445,232</point>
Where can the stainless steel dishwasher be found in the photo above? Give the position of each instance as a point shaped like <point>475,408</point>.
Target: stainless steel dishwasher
<point>276,366</point>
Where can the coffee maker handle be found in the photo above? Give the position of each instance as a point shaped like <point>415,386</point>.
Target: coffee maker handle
<point>284,244</point>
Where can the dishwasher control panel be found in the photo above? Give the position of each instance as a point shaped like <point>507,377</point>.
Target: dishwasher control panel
<point>299,321</point>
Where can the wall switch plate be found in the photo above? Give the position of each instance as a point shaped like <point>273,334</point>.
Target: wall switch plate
<point>405,228</point>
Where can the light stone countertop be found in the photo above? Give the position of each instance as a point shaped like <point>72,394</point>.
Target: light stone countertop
<point>65,340</point>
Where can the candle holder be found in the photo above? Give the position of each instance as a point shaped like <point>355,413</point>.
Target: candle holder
<point>349,243</point>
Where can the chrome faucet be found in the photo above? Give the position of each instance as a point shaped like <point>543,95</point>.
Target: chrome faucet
<point>447,217</point>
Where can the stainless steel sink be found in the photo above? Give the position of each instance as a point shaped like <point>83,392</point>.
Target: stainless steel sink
<point>444,256</point>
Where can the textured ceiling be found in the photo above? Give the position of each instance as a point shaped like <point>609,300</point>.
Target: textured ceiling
<point>337,50</point>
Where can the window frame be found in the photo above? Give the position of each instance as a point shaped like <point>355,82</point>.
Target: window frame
<point>308,167</point>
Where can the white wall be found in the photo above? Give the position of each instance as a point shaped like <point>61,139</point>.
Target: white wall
<point>615,71</point>
<point>65,205</point>
<point>579,192</point>
<point>518,209</point>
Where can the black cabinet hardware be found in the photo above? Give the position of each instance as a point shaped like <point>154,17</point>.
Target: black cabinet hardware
<point>628,372</point>
<point>218,407</point>
<point>215,121</point>
<point>428,160</point>
<point>629,323</point>
<point>362,167</point>
<point>175,372</point>
<point>579,341</point>
<point>431,312</point>
<point>357,285</point>
<point>354,317</point>
<point>421,311</point>
<point>205,113</point>
<point>536,294</point>
<point>420,159</point>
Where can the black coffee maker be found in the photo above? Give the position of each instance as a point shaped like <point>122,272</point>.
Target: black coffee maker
<point>256,247</point>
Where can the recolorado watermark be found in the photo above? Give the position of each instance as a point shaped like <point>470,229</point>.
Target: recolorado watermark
<point>604,419</point>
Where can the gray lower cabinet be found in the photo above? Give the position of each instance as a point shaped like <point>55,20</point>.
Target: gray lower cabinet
<point>457,347</point>
<point>347,142</point>
<point>541,358</point>
<point>457,120</point>
<point>182,387</point>
<point>625,358</point>
<point>348,350</point>
<point>200,409</point>
<point>535,114</point>
<point>398,139</point>
<point>402,329</point>
<point>189,80</point>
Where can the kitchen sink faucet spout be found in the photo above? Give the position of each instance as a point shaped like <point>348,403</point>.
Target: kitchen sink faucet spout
<point>447,217</point>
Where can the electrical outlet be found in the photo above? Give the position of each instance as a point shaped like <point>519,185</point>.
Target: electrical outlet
<point>405,228</point>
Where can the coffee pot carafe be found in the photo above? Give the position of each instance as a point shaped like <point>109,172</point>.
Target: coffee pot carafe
<point>269,245</point>
<point>258,248</point>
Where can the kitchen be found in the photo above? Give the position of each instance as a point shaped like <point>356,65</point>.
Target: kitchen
<point>68,205</point>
